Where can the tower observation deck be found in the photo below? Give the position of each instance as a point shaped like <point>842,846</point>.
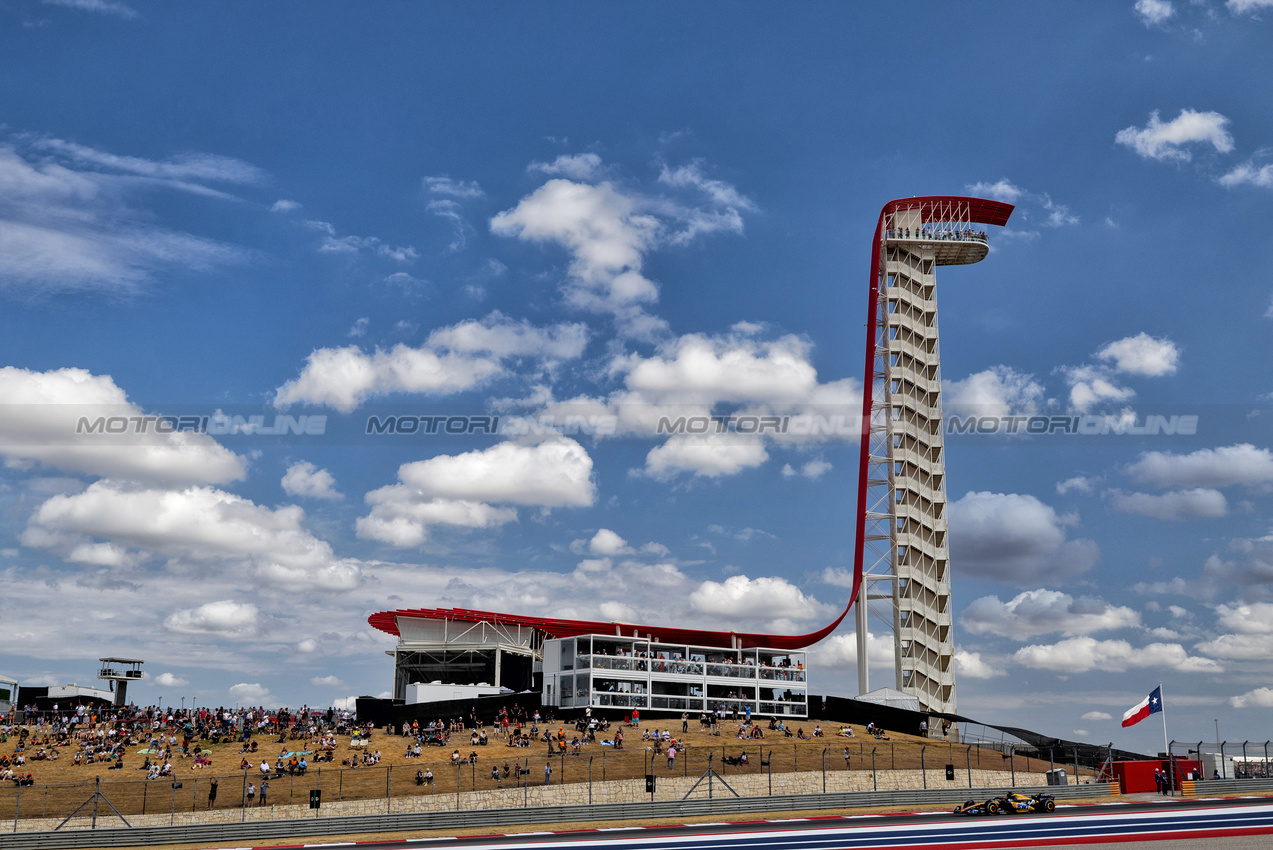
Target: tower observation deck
<point>902,561</point>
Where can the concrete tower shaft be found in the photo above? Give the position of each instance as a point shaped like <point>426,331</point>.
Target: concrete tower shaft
<point>902,553</point>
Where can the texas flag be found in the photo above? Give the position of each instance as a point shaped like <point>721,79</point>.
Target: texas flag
<point>1144,708</point>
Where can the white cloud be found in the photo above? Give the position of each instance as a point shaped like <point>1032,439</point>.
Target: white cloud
<point>1079,483</point>
<point>997,391</point>
<point>707,456</point>
<point>224,617</point>
<point>1015,538</point>
<point>812,470</point>
<point>458,490</point>
<point>283,205</point>
<point>327,682</point>
<point>1165,142</point>
<point>607,235</point>
<point>1248,174</point>
<point>1176,505</point>
<point>359,327</point>
<point>1254,618</point>
<point>1039,612</point>
<point>1240,647</point>
<point>1083,654</point>
<point>170,680</point>
<point>252,693</point>
<point>1260,697</point>
<point>838,577</point>
<point>1154,12</point>
<point>608,232</point>
<point>606,542</point>
<point>453,188</point>
<point>1001,190</point>
<point>304,479</point>
<point>453,359</point>
<point>972,666</point>
<point>1031,205</point>
<point>1097,715</point>
<point>1226,466</point>
<point>1091,385</point>
<point>761,598</point>
<point>1142,355</point>
<point>42,414</point>
<point>1248,7</point>
<point>66,223</point>
<point>196,527</point>
<point>333,244</point>
<point>106,7</point>
<point>581,166</point>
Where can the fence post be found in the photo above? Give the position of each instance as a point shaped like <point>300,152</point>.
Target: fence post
<point>922,770</point>
<point>144,786</point>
<point>589,780</point>
<point>875,785</point>
<point>97,788</point>
<point>824,770</point>
<point>968,763</point>
<point>244,807</point>
<point>17,807</point>
<point>388,789</point>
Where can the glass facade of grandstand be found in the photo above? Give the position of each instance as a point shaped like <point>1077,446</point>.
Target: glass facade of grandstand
<point>606,671</point>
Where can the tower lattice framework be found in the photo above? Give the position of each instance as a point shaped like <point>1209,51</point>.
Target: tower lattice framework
<point>903,557</point>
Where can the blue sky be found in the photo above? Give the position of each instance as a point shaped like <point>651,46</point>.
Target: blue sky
<point>629,211</point>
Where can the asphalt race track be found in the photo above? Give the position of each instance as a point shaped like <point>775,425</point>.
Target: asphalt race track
<point>1247,823</point>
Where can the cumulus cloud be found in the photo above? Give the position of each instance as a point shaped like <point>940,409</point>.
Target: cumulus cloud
<point>304,479</point>
<point>327,682</point>
<point>170,680</point>
<point>1077,484</point>
<point>1097,715</point>
<point>706,456</point>
<point>1091,385</point>
<point>1177,505</point>
<point>1031,206</point>
<point>580,166</point>
<point>194,526</point>
<point>1082,654</point>
<point>1239,464</point>
<point>608,231</point>
<point>462,490</point>
<point>1258,698</point>
<point>769,598</point>
<point>1039,612</point>
<point>252,693</point>
<point>1248,174</point>
<point>1014,537</point>
<point>1154,12</point>
<point>453,359</point>
<point>971,665</point>
<point>1142,355</point>
<point>1166,141</point>
<point>997,391</point>
<point>41,421</point>
<point>812,470</point>
<point>224,617</point>
<point>606,542</point>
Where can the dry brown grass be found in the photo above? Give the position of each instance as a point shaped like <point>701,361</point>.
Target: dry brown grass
<point>62,785</point>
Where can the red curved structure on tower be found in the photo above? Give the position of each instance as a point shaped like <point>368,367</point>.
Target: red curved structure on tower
<point>932,208</point>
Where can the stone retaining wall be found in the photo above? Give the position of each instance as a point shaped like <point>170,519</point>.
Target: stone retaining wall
<point>669,787</point>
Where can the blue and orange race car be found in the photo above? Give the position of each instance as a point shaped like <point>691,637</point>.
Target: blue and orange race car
<point>1010,803</point>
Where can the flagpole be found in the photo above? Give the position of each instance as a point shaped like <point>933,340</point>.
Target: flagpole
<point>1171,769</point>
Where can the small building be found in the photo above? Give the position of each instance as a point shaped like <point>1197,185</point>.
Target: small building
<point>609,671</point>
<point>8,695</point>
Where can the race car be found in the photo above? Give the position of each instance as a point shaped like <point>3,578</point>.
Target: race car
<point>972,807</point>
<point>1020,803</point>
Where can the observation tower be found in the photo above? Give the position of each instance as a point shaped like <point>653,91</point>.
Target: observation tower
<point>903,557</point>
